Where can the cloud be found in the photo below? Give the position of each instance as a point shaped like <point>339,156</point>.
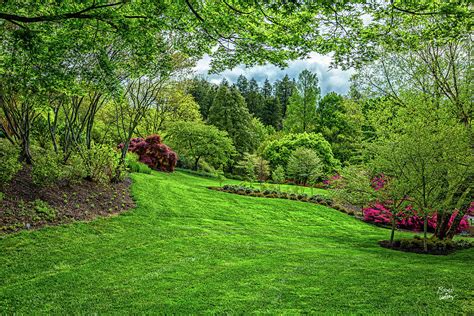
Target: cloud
<point>329,79</point>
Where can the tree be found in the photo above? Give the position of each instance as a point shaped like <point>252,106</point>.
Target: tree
<point>340,122</point>
<point>254,99</point>
<point>203,93</point>
<point>271,114</point>
<point>427,151</point>
<point>267,89</point>
<point>278,175</point>
<point>278,151</point>
<point>243,86</point>
<point>283,90</point>
<point>304,165</point>
<point>254,167</point>
<point>172,104</point>
<point>198,141</point>
<point>301,110</point>
<point>229,113</point>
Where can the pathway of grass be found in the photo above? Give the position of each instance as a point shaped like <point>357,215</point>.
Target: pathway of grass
<point>187,249</point>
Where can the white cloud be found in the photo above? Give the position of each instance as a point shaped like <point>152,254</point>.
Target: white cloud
<point>329,79</point>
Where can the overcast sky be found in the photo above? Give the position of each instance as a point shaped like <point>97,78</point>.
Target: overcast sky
<point>329,79</point>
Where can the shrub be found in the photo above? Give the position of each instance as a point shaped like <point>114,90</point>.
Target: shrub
<point>101,163</point>
<point>134,165</point>
<point>279,151</point>
<point>278,175</point>
<point>253,167</point>
<point>47,167</point>
<point>9,164</point>
<point>152,152</point>
<point>2,196</point>
<point>409,219</point>
<point>304,165</point>
<point>44,210</point>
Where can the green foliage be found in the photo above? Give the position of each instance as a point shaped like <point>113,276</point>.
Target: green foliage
<point>304,165</point>
<point>301,111</point>
<point>9,164</point>
<point>2,196</point>
<point>136,166</point>
<point>101,163</point>
<point>278,175</point>
<point>44,210</point>
<point>278,151</point>
<point>229,113</point>
<point>340,122</point>
<point>47,167</point>
<point>254,167</point>
<point>196,141</point>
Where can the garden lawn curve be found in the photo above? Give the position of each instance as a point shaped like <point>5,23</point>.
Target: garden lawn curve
<point>188,249</point>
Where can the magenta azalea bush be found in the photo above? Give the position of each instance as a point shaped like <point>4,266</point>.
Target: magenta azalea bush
<point>152,152</point>
<point>410,219</point>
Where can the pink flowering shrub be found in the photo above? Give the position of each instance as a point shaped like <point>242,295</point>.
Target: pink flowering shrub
<point>410,219</point>
<point>152,152</point>
<point>328,183</point>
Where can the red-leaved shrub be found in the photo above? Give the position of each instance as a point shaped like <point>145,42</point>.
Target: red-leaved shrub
<point>152,152</point>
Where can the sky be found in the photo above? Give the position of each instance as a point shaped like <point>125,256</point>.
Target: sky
<point>329,79</point>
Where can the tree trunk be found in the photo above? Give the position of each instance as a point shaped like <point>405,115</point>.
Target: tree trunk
<point>442,226</point>
<point>196,163</point>
<point>392,234</point>
<point>25,154</point>
<point>454,226</point>
<point>425,231</point>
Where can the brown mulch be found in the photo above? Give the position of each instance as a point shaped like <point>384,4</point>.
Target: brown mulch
<point>67,202</point>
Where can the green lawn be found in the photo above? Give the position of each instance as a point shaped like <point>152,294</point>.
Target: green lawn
<point>187,249</point>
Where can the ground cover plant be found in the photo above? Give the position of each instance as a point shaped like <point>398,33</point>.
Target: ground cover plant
<point>195,250</point>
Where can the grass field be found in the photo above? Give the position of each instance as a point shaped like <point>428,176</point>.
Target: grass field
<point>187,249</point>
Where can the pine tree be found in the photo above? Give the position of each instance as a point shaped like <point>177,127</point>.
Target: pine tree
<point>283,89</point>
<point>267,89</point>
<point>254,100</point>
<point>272,113</point>
<point>229,113</point>
<point>243,86</point>
<point>203,93</point>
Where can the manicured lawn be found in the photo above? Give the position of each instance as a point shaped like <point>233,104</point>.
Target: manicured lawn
<point>187,249</point>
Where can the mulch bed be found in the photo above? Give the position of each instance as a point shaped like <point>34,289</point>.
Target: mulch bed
<point>434,247</point>
<point>66,202</point>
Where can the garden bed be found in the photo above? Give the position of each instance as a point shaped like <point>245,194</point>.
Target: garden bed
<point>27,206</point>
<point>435,247</point>
<point>315,199</point>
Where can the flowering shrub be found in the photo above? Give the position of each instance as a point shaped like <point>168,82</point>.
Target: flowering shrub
<point>329,183</point>
<point>152,152</point>
<point>409,219</point>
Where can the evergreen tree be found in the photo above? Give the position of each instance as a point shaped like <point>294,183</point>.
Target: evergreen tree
<point>243,86</point>
<point>229,113</point>
<point>271,115</point>
<point>283,89</point>
<point>203,93</point>
<point>254,99</point>
<point>301,111</point>
<point>267,89</point>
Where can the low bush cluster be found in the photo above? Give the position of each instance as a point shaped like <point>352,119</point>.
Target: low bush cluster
<point>435,246</point>
<point>9,163</point>
<point>268,193</point>
<point>409,219</point>
<point>152,152</point>
<point>134,165</point>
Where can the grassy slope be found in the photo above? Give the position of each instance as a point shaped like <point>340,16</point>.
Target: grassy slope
<point>189,249</point>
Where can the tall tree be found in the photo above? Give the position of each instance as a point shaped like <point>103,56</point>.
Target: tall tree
<point>229,113</point>
<point>243,86</point>
<point>340,121</point>
<point>271,115</point>
<point>283,89</point>
<point>267,89</point>
<point>254,99</point>
<point>302,107</point>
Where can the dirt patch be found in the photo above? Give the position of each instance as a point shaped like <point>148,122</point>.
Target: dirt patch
<point>28,206</point>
